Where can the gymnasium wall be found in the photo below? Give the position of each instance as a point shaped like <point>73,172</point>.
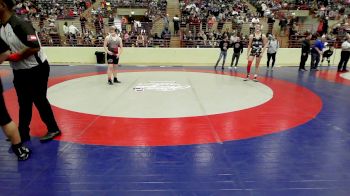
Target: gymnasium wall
<point>170,56</point>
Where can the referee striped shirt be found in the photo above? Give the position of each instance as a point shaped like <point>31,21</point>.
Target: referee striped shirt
<point>16,35</point>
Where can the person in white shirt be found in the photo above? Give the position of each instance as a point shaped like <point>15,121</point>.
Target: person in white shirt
<point>65,29</point>
<point>272,50</point>
<point>72,33</point>
<point>345,54</point>
<point>117,22</point>
<point>73,30</point>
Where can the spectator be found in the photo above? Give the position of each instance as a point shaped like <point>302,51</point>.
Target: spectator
<point>272,50</point>
<point>65,29</point>
<point>73,31</point>
<point>176,21</point>
<point>83,23</point>
<point>224,45</point>
<point>237,46</point>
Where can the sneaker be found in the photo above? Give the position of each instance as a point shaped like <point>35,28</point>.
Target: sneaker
<point>50,136</point>
<point>235,67</point>
<point>255,79</point>
<point>110,82</point>
<point>115,80</point>
<point>230,68</point>
<point>246,79</point>
<point>22,153</point>
<point>222,68</point>
<point>215,67</point>
<point>345,70</point>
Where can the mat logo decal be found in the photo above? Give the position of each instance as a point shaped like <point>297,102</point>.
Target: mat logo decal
<point>164,86</point>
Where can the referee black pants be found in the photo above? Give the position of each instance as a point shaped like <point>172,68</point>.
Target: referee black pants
<point>31,87</point>
<point>344,58</point>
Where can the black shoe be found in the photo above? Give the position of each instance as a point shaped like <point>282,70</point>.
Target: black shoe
<point>110,82</point>
<point>222,68</point>
<point>115,80</point>
<point>22,153</point>
<point>345,70</point>
<point>50,136</point>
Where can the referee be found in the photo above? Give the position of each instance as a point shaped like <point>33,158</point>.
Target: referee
<point>30,69</point>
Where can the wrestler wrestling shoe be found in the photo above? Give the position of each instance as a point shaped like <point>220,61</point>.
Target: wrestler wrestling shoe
<point>22,152</point>
<point>247,78</point>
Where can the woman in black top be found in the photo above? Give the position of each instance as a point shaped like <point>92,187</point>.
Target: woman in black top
<point>224,45</point>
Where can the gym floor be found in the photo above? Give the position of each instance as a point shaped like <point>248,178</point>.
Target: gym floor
<point>186,131</point>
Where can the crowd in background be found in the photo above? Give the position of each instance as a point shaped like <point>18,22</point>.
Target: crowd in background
<point>200,24</point>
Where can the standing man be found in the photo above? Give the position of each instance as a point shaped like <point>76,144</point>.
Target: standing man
<point>83,21</point>
<point>8,126</point>
<point>316,53</point>
<point>270,22</point>
<point>237,46</point>
<point>305,51</point>
<point>30,70</point>
<point>224,45</point>
<point>344,55</point>
<point>113,46</point>
<point>176,21</point>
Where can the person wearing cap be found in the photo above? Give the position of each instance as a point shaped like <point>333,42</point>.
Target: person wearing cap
<point>30,70</point>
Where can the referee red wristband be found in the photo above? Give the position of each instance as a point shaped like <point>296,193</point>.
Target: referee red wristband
<point>14,57</point>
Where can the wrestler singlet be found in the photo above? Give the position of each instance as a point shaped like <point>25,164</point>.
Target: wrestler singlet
<point>257,46</point>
